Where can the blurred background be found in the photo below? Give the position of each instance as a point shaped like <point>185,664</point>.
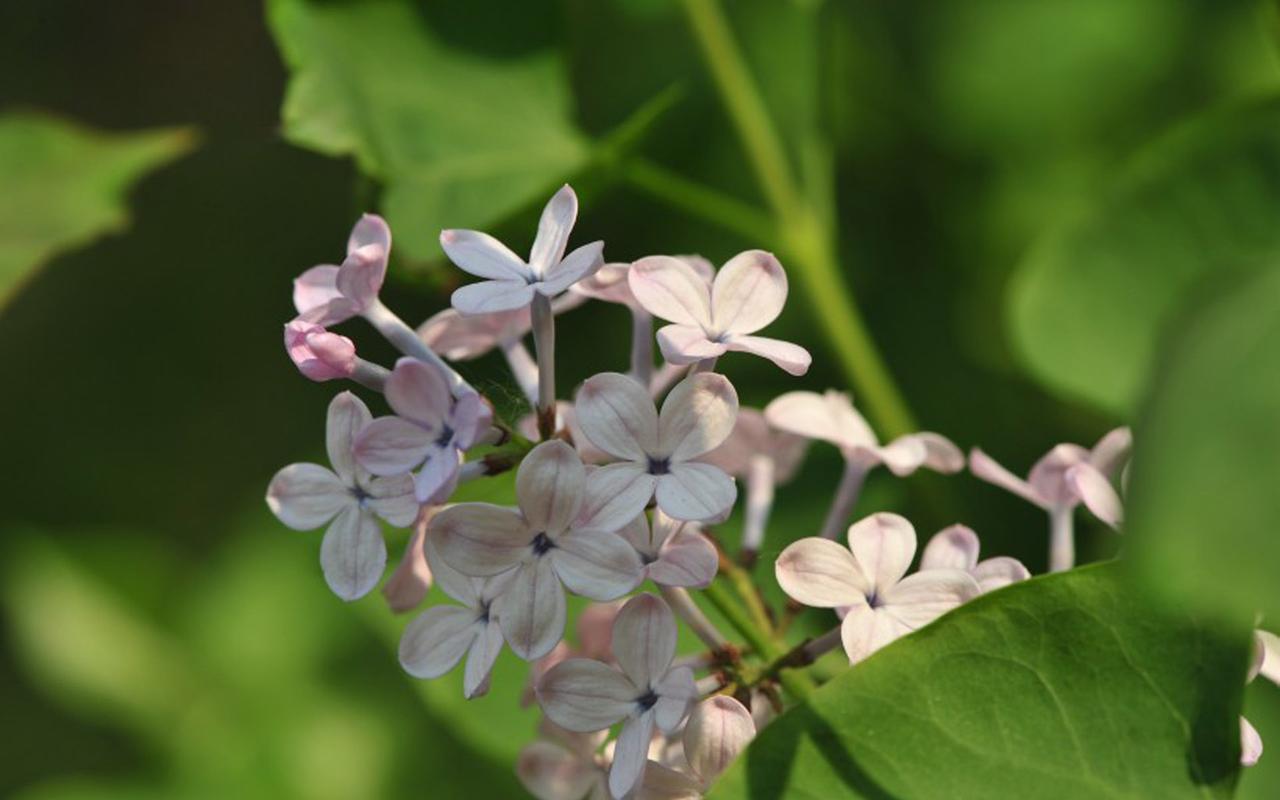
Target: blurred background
<point>164,636</point>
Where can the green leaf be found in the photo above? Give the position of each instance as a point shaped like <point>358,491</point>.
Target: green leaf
<point>1206,474</point>
<point>1089,301</point>
<point>457,139</point>
<point>1065,686</point>
<point>65,185</point>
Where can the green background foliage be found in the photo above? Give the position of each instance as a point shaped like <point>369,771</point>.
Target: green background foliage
<point>1054,217</point>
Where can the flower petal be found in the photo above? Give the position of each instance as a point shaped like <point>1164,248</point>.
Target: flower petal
<point>687,344</point>
<point>418,392</point>
<point>664,783</point>
<point>670,289</point>
<point>318,354</point>
<point>306,496</point>
<point>550,772</point>
<point>361,275</point>
<point>826,417</point>
<point>463,588</point>
<point>314,288</point>
<point>532,610</point>
<point>644,639</point>
<point>393,500</point>
<point>617,415</point>
<point>347,415</point>
<point>954,547</point>
<point>595,630</point>
<point>921,598</point>
<point>615,494</point>
<point>1111,451</point>
<point>748,293</point>
<point>984,467</point>
<point>480,657</point>
<point>999,572</point>
<point>791,358</point>
<point>718,730</point>
<point>483,256</point>
<point>479,539</point>
<point>884,545</point>
<point>352,554</point>
<point>696,417</point>
<point>490,297</point>
<point>582,695</point>
<point>438,477</point>
<point>581,263</point>
<point>942,455</point>
<point>695,491</point>
<point>821,573</point>
<point>1270,668</point>
<point>554,226</point>
<point>609,283</point>
<point>370,229</point>
<point>903,455</point>
<point>550,486</point>
<point>630,754</point>
<point>596,564</point>
<point>676,691</point>
<point>1250,744</point>
<point>689,560</point>
<point>866,630</point>
<point>411,578</point>
<point>471,418</point>
<point>392,446</point>
<point>437,640</point>
<point>458,337</point>
<point>1101,498</point>
<point>1048,476</point>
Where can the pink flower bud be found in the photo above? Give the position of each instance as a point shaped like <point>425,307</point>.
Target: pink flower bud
<point>318,354</point>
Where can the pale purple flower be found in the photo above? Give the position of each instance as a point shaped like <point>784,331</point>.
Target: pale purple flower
<point>956,547</point>
<point>431,428</point>
<point>594,628</point>
<point>612,285</point>
<point>868,578</point>
<point>327,294</point>
<point>658,452</point>
<point>675,553</point>
<point>562,765</point>
<point>549,546</point>
<point>583,695</point>
<point>510,282</point>
<point>718,730</point>
<point>747,294</point>
<point>306,496</point>
<point>1266,662</point>
<point>317,353</point>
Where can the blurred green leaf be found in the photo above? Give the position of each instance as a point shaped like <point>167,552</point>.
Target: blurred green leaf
<point>1089,301</point>
<point>458,140</point>
<point>1066,686</point>
<point>1206,471</point>
<point>65,185</point>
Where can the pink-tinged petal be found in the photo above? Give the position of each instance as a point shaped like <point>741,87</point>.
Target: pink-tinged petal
<point>820,573</point>
<point>687,344</point>
<point>941,454</point>
<point>670,289</point>
<point>306,496</point>
<point>689,560</point>
<point>999,572</point>
<point>1048,476</point>
<point>370,229</point>
<point>463,588</point>
<point>596,564</point>
<point>461,338</point>
<point>419,393</point>
<point>630,754</point>
<point>480,657</point>
<point>884,545</point>
<point>617,415</point>
<point>550,486</point>
<point>751,437</point>
<point>749,293</point>
<point>479,539</point>
<point>704,269</point>
<point>361,275</point>
<point>1111,451</point>
<point>532,610</point>
<point>438,477</point>
<point>644,639</point>
<point>558,216</point>
<point>483,256</point>
<point>866,630</point>
<point>411,578</point>
<point>697,416</point>
<point>582,695</point>
<point>696,492</point>
<point>579,264</point>
<point>1250,744</point>
<point>393,500</point>
<point>828,418</point>
<point>595,630</point>
<point>639,535</point>
<point>902,456</point>
<point>616,494</point>
<point>921,598</point>
<point>1270,667</point>
<point>347,416</point>
<point>318,354</point>
<point>491,297</point>
<point>1101,498</point>
<point>609,283</point>
<point>953,547</point>
<point>664,783</point>
<point>676,691</point>
<point>791,358</point>
<point>471,418</point>
<point>550,772</point>
<point>984,467</point>
<point>437,639</point>
<point>719,729</point>
<point>352,554</point>
<point>392,446</point>
<point>314,288</point>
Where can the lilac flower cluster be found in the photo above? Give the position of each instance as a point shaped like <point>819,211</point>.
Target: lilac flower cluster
<point>616,489</point>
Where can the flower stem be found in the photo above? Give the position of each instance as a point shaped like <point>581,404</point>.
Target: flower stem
<point>719,596</point>
<point>698,199</point>
<point>759,505</point>
<point>684,607</point>
<point>407,341</point>
<point>803,654</point>
<point>523,369</point>
<point>370,375</point>
<point>1062,540</point>
<point>845,499</point>
<point>544,345</point>
<point>641,346</point>
<point>666,375</point>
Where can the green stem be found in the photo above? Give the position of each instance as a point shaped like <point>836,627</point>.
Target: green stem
<point>800,685</point>
<point>698,199</point>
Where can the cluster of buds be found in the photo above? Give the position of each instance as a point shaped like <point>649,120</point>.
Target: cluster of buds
<point>617,491</point>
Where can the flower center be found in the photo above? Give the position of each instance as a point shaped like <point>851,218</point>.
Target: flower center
<point>541,544</point>
<point>659,466</point>
<point>445,438</point>
<point>647,700</point>
<point>483,615</point>
<point>359,494</point>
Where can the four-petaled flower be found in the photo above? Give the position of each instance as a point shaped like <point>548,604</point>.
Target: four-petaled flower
<point>747,294</point>
<point>583,695</point>
<point>430,428</point>
<point>956,547</point>
<point>510,283</point>
<point>868,578</point>
<point>546,542</point>
<point>718,730</point>
<point>306,496</point>
<point>327,294</point>
<point>658,451</point>
<point>674,553</point>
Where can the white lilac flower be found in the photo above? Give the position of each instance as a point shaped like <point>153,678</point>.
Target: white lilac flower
<point>658,451</point>
<point>718,730</point>
<point>562,765</point>
<point>674,553</point>
<point>1266,662</point>
<point>582,695</point>
<point>306,496</point>
<point>956,547</point>
<point>327,294</point>
<point>548,544</point>
<point>1062,479</point>
<point>511,282</point>
<point>431,428</point>
<point>868,578</point>
<point>747,294</point>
